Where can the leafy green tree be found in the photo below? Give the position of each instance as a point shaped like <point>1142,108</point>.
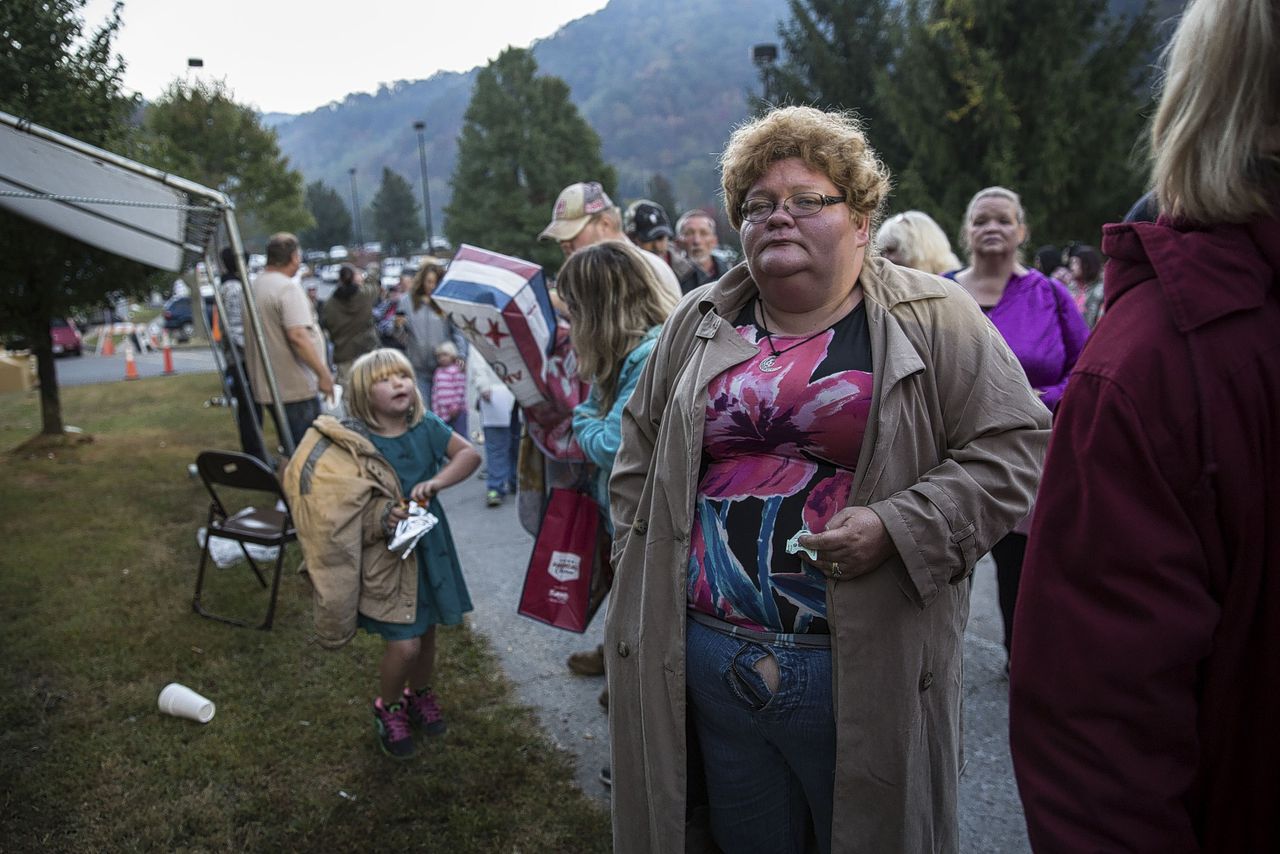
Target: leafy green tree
<point>332,219</point>
<point>522,142</point>
<point>1043,96</point>
<point>55,74</point>
<point>835,53</point>
<point>397,218</point>
<point>197,130</point>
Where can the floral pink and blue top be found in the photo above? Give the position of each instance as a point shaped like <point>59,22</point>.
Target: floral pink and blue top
<point>781,442</point>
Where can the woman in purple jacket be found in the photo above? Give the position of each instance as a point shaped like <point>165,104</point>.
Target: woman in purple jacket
<point>1039,320</point>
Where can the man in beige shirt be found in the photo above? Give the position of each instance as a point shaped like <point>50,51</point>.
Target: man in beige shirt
<point>292,336</point>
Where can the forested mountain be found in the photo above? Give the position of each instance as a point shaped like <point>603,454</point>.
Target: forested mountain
<point>662,81</point>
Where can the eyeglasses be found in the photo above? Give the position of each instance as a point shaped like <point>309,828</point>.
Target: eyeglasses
<point>799,206</point>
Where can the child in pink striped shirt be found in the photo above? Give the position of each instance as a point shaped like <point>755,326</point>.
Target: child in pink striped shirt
<point>449,388</point>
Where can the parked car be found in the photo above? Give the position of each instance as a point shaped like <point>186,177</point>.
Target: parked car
<point>329,273</point>
<point>66,337</point>
<point>337,253</point>
<point>178,318</point>
<point>391,270</point>
<point>63,332</point>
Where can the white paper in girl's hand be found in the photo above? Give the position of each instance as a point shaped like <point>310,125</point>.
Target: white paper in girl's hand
<point>496,411</point>
<point>412,529</point>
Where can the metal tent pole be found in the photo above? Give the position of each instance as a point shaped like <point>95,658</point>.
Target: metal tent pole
<point>237,364</point>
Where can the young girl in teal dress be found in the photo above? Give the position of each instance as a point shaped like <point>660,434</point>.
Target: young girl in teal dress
<point>348,483</point>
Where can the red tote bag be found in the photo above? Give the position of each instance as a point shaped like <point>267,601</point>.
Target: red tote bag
<point>568,574</point>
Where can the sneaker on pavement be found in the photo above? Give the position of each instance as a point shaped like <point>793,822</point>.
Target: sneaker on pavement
<point>493,498</point>
<point>588,662</point>
<point>606,777</point>
<point>394,736</point>
<point>424,711</point>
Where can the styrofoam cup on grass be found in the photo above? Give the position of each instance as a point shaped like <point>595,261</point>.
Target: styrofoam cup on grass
<point>180,701</point>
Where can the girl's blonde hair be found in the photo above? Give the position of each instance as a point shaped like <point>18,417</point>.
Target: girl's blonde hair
<point>919,242</point>
<point>369,369</point>
<point>831,143</point>
<point>615,298</point>
<point>447,348</point>
<point>1215,141</point>
<point>987,193</point>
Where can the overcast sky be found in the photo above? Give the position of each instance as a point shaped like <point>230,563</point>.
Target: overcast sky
<point>292,56</point>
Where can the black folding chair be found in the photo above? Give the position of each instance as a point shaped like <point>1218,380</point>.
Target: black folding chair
<point>263,525</point>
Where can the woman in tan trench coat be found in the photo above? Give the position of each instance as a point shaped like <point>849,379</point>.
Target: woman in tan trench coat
<point>929,438</point>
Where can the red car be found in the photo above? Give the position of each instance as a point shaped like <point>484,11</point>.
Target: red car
<point>66,338</point>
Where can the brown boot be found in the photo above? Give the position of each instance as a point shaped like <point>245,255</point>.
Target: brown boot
<point>588,663</point>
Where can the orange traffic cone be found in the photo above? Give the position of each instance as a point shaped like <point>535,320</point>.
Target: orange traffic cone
<point>108,342</point>
<point>168,354</point>
<point>130,366</point>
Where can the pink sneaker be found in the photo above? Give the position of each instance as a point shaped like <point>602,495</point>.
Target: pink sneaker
<point>394,736</point>
<point>424,710</point>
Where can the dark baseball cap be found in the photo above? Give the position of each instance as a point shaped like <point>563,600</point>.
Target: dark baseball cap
<point>645,220</point>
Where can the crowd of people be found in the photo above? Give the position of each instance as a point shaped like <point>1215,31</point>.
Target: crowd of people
<point>799,461</point>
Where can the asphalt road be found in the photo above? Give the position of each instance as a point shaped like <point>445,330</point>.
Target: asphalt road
<point>494,550</point>
<point>90,369</point>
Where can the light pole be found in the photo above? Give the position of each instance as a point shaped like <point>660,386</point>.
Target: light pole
<point>765,57</point>
<point>355,208</point>
<point>420,127</point>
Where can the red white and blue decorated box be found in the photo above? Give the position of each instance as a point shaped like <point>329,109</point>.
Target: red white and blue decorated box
<point>502,306</point>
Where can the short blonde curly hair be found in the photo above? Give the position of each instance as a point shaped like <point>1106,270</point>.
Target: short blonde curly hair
<point>830,142</point>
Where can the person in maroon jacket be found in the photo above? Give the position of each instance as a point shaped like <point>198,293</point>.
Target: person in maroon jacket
<point>1145,692</point>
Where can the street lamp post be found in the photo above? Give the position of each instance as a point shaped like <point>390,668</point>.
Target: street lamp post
<point>765,57</point>
<point>355,208</point>
<point>421,127</point>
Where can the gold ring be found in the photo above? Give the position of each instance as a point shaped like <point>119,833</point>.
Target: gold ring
<point>835,569</point>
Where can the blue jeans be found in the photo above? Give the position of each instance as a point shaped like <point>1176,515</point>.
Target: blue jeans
<point>768,754</point>
<point>300,414</point>
<point>499,446</point>
<point>459,424</point>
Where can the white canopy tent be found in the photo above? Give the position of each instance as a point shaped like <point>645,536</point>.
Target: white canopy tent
<point>126,208</point>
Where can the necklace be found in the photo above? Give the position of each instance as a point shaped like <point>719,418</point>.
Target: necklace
<point>769,364</point>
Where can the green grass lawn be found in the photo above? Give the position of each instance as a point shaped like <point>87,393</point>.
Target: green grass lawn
<point>97,567</point>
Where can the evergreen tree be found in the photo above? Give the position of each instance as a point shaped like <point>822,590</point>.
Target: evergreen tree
<point>197,130</point>
<point>397,219</point>
<point>522,142</point>
<point>661,191</point>
<point>55,74</point>
<point>1043,96</point>
<point>835,53</point>
<point>332,219</point>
